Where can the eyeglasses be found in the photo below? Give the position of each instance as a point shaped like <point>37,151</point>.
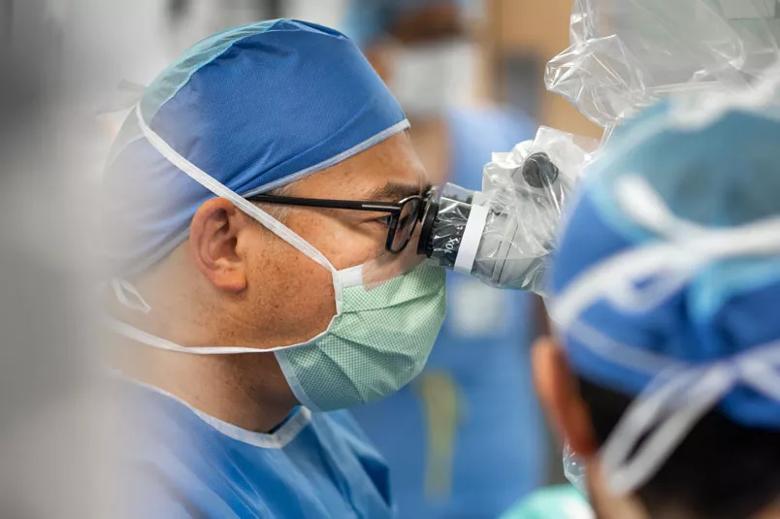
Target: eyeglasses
<point>401,224</point>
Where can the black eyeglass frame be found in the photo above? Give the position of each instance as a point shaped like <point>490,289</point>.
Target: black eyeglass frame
<point>394,208</point>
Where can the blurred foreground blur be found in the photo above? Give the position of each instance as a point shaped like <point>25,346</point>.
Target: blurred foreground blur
<point>51,410</point>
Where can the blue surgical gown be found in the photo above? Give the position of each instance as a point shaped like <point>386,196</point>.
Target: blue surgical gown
<point>466,438</point>
<point>178,462</point>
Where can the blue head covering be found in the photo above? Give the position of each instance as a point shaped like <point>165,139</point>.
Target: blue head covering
<point>690,305</point>
<point>369,20</point>
<point>256,107</point>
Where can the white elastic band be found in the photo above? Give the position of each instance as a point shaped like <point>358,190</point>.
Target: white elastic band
<point>668,411</point>
<point>636,359</point>
<point>213,185</point>
<point>148,339</point>
<point>613,279</point>
<point>625,474</point>
<point>127,295</point>
<point>472,235</point>
<point>642,203</point>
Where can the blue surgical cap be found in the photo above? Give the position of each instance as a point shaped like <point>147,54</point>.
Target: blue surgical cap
<point>368,20</point>
<point>256,107</point>
<point>718,173</point>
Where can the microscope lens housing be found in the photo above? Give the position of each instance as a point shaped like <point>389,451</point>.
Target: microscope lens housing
<point>493,237</point>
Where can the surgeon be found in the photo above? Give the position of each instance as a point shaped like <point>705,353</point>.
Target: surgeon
<point>664,373</point>
<point>261,206</point>
<point>466,438</point>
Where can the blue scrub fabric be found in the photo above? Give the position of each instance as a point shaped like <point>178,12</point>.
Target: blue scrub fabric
<point>466,439</point>
<point>176,462</point>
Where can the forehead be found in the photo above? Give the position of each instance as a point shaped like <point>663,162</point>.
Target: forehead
<point>389,168</point>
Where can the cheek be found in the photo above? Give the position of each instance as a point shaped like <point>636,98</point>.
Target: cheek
<point>310,292</point>
<point>347,244</point>
<point>357,250</point>
<point>293,293</point>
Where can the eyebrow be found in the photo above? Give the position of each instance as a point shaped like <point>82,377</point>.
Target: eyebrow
<point>394,192</point>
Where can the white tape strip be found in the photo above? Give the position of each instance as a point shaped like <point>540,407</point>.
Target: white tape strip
<point>472,236</point>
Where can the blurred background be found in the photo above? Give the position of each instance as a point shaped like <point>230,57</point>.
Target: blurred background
<point>464,440</point>
<point>515,39</point>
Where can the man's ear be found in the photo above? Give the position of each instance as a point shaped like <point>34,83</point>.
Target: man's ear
<point>213,244</point>
<point>557,389</point>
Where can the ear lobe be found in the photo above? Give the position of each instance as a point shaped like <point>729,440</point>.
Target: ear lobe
<point>560,398</point>
<point>213,244</point>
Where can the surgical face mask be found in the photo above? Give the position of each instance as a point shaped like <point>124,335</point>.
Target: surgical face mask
<point>387,318</point>
<point>427,79</point>
<point>377,343</point>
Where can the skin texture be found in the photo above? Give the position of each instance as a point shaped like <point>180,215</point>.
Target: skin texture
<point>568,413</point>
<point>234,283</point>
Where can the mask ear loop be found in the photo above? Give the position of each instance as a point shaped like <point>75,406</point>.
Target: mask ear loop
<point>220,190</point>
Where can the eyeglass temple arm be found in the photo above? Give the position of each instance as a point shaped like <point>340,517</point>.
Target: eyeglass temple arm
<point>356,205</point>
